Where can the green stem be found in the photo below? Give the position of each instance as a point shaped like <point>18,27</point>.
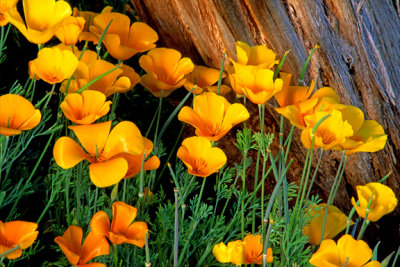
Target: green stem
<point>200,195</point>
<point>176,228</point>
<point>78,192</point>
<point>221,72</point>
<point>334,189</point>
<point>67,180</point>
<point>158,122</point>
<point>146,238</point>
<point>9,251</point>
<point>261,112</point>
<point>33,171</point>
<point>96,79</point>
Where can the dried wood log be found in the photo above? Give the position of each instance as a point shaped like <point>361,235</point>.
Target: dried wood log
<point>359,57</point>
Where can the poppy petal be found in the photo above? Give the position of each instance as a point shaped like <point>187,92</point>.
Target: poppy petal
<point>67,153</point>
<point>70,243</point>
<point>94,245</point>
<point>136,234</point>
<point>123,216</point>
<point>100,223</point>
<point>108,173</point>
<point>124,137</point>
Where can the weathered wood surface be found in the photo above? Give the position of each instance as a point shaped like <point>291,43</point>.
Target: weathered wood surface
<point>359,57</point>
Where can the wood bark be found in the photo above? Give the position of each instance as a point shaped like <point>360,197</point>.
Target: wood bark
<point>359,57</point>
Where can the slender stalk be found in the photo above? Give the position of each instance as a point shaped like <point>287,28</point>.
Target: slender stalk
<point>142,176</point>
<point>315,174</point>
<point>9,251</point>
<point>158,122</point>
<point>32,173</point>
<point>66,191</point>
<point>176,183</point>
<point>366,221</point>
<point>200,195</point>
<point>78,192</point>
<point>334,189</point>
<point>261,112</point>
<point>221,72</point>
<point>146,238</point>
<point>176,233</point>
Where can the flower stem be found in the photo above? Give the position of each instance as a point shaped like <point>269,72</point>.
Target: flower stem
<point>9,251</point>
<point>176,232</point>
<point>198,201</point>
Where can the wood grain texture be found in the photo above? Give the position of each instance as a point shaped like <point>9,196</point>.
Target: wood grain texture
<point>359,57</point>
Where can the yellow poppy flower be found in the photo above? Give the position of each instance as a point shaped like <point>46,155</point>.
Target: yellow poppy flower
<point>199,157</point>
<point>5,5</point>
<point>79,254</point>
<point>17,233</point>
<point>258,55</point>
<point>53,65</point>
<point>135,161</point>
<point>331,254</point>
<point>41,19</point>
<point>122,39</point>
<point>70,29</point>
<point>383,202</point>
<point>257,84</point>
<point>233,252</point>
<point>165,69</point>
<point>205,78</point>
<point>104,148</point>
<point>253,250</point>
<point>122,228</point>
<point>213,116</point>
<point>332,132</point>
<point>335,223</point>
<point>17,114</point>
<point>295,101</point>
<point>114,82</point>
<point>368,135</point>
<point>86,107</point>
<point>86,35</point>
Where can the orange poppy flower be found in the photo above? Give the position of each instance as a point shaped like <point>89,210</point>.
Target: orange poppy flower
<point>104,148</point>
<point>5,5</point>
<point>233,252</point>
<point>213,116</point>
<point>135,161</point>
<point>79,254</point>
<point>253,250</point>
<point>165,69</point>
<point>70,29</point>
<point>122,229</point>
<point>383,202</point>
<point>199,157</point>
<point>17,233</point>
<point>295,101</point>
<point>122,39</point>
<point>41,19</point>
<point>258,55</point>
<point>368,135</point>
<point>17,114</point>
<point>205,78</point>
<point>53,65</point>
<point>335,223</point>
<point>354,252</point>
<point>257,84</point>
<point>332,132</point>
<point>86,35</point>
<point>86,107</point>
<point>120,80</point>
